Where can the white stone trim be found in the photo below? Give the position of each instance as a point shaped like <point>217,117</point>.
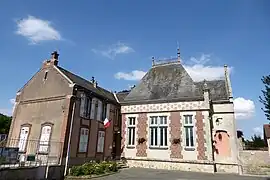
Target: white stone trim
<point>116,97</point>
<point>69,80</point>
<point>168,125</point>
<point>126,135</point>
<point>183,144</point>
<point>176,106</point>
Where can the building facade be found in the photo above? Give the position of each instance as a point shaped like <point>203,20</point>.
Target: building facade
<point>170,121</point>
<point>58,112</point>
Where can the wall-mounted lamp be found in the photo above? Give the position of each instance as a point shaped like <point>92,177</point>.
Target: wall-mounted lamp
<point>218,121</point>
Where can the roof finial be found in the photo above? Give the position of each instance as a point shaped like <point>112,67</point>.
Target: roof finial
<point>178,54</point>
<point>153,61</point>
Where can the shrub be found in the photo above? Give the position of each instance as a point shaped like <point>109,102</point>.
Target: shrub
<point>94,168</point>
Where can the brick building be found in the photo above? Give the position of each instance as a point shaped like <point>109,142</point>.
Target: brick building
<point>57,108</point>
<point>171,122</point>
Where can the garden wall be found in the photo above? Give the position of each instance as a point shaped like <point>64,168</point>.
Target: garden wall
<point>255,162</point>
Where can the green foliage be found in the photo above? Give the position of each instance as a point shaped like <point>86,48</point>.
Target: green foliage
<point>256,142</point>
<point>265,99</point>
<point>94,168</point>
<point>5,122</point>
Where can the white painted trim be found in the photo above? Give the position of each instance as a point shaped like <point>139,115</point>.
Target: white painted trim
<point>126,135</point>
<point>69,80</point>
<point>116,97</point>
<point>194,120</point>
<point>168,129</point>
<point>160,107</point>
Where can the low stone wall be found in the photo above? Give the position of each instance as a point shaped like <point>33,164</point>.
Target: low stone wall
<point>32,173</point>
<point>255,162</point>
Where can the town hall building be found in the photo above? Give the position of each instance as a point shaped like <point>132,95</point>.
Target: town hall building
<point>166,121</point>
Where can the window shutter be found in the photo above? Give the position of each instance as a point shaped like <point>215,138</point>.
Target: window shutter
<point>100,145</point>
<point>82,109</point>
<point>44,139</point>
<point>108,111</point>
<point>23,138</point>
<point>99,112</point>
<point>93,107</point>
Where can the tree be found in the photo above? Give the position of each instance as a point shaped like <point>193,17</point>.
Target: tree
<point>5,122</point>
<point>265,99</point>
<point>255,143</point>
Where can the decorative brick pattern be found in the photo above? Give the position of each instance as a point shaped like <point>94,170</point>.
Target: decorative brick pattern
<point>201,149</point>
<point>141,133</point>
<point>175,131</point>
<point>124,128</point>
<point>177,106</point>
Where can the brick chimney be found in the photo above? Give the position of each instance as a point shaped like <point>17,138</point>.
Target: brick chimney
<point>52,61</point>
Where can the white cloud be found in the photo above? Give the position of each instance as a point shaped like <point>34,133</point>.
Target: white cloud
<point>132,76</point>
<point>8,111</point>
<point>114,50</point>
<point>244,108</point>
<point>258,131</point>
<point>37,30</point>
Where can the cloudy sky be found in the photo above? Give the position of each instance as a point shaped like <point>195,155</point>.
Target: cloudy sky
<point>114,41</point>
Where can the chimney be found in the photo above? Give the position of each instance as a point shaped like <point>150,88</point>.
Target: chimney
<point>153,61</point>
<point>95,84</point>
<point>54,58</point>
<point>52,61</point>
<point>206,94</point>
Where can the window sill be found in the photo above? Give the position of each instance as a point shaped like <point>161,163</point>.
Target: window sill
<point>99,152</point>
<point>189,148</point>
<point>80,152</point>
<point>161,148</point>
<point>130,147</point>
<point>42,153</point>
<point>86,118</point>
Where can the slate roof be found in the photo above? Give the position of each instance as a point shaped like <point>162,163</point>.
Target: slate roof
<point>171,82</point>
<point>87,85</point>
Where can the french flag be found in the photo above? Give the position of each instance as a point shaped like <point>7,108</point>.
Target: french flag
<point>107,123</point>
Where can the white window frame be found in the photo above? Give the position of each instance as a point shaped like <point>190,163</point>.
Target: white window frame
<point>160,125</point>
<point>131,131</point>
<point>189,121</point>
<point>44,142</point>
<point>23,141</point>
<point>83,140</point>
<point>101,141</point>
<point>85,106</point>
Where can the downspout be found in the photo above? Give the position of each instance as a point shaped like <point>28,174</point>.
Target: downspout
<point>70,133</point>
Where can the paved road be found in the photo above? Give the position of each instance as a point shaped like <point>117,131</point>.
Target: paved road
<point>153,174</point>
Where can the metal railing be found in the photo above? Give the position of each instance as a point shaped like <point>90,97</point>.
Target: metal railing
<point>17,152</point>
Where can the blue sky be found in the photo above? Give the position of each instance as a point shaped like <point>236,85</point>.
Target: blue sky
<point>114,40</point>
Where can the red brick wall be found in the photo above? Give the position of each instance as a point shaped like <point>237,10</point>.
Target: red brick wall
<point>200,136</point>
<point>141,133</point>
<point>123,134</point>
<point>175,125</point>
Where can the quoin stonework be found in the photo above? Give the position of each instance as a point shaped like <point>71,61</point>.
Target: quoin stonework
<point>167,121</point>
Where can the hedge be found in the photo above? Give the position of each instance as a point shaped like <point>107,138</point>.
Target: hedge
<point>94,168</point>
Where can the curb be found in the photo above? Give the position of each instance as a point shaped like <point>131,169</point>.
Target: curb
<point>91,177</point>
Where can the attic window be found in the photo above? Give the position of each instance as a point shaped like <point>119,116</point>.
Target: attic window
<point>46,75</point>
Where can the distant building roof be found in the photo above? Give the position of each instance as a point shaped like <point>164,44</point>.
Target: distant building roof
<point>171,82</point>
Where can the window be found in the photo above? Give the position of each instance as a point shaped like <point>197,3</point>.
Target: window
<point>101,139</point>
<point>44,140</point>
<point>131,131</point>
<point>189,131</point>
<point>158,131</point>
<point>85,108</point>
<point>84,134</point>
<point>96,110</point>
<point>46,75</point>
<point>23,138</point>
<point>104,111</point>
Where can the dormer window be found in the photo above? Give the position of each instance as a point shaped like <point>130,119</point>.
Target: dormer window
<point>46,75</point>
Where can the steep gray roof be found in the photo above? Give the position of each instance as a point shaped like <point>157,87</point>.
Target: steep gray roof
<point>171,82</point>
<point>88,85</point>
